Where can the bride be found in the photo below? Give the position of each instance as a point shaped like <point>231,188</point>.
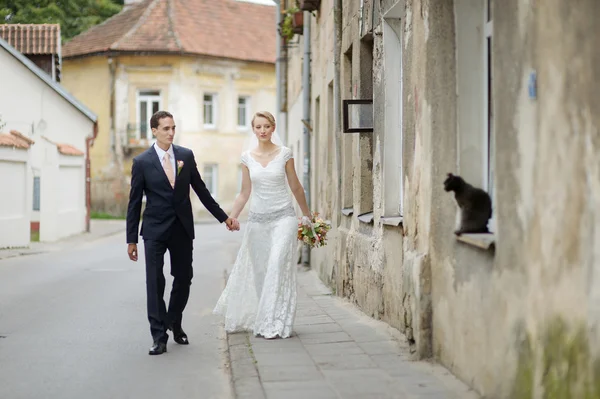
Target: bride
<point>260,295</point>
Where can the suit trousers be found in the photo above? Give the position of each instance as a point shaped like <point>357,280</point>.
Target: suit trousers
<point>180,246</point>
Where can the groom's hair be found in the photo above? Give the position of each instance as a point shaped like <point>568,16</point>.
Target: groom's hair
<point>157,117</point>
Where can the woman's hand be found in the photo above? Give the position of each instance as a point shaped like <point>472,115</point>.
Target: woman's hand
<point>305,220</point>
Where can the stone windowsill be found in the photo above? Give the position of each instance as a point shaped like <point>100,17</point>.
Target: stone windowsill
<point>347,211</point>
<point>395,221</point>
<point>366,217</point>
<point>484,241</point>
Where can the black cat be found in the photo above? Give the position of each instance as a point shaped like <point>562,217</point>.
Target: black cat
<point>474,203</point>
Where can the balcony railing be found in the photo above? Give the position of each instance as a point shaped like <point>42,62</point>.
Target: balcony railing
<point>138,136</point>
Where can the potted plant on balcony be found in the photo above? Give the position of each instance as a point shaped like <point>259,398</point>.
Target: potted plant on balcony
<point>292,23</point>
<point>309,5</point>
<point>298,21</point>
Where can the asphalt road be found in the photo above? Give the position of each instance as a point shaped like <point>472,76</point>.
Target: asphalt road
<point>73,325</point>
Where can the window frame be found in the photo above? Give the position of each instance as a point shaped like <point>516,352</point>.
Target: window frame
<point>489,137</point>
<point>214,113</point>
<point>475,132</point>
<point>143,95</point>
<point>394,102</point>
<point>247,112</point>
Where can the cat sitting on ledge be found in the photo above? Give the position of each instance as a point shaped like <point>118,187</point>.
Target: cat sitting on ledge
<point>475,205</point>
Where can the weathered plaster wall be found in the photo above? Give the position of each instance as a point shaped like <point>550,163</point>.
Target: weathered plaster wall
<point>522,322</point>
<point>363,261</point>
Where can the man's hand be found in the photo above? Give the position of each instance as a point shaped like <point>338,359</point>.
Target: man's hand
<point>232,224</point>
<point>132,251</point>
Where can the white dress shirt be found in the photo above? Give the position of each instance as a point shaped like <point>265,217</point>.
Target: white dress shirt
<point>161,154</point>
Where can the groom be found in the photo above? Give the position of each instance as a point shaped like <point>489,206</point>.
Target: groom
<point>165,173</point>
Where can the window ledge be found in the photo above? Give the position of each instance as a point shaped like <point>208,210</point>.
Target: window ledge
<point>366,218</point>
<point>347,211</point>
<point>484,241</point>
<point>391,220</point>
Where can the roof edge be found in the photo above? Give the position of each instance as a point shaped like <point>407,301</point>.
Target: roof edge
<point>58,88</point>
<point>113,53</point>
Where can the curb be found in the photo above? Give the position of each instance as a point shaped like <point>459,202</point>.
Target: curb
<point>245,378</point>
<point>243,374</point>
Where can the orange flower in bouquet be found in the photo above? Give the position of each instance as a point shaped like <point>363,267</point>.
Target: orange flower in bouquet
<point>317,236</point>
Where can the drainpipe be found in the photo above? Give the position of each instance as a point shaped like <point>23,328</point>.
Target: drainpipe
<point>89,142</point>
<point>278,60</point>
<point>337,100</point>
<point>306,122</point>
<point>117,142</point>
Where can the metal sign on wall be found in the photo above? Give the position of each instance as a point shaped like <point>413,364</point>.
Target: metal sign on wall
<point>358,116</point>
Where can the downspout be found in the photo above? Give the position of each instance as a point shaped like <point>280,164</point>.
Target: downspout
<point>89,142</point>
<point>278,60</point>
<point>117,143</point>
<point>306,122</point>
<point>337,101</point>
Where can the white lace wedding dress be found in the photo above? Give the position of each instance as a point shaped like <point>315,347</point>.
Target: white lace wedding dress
<point>260,295</point>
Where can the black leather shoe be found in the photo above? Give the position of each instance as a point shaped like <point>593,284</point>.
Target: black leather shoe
<point>179,335</point>
<point>158,348</point>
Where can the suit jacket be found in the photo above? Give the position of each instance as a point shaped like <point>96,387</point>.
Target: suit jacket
<point>164,203</point>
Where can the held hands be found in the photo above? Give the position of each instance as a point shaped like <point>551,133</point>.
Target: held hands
<point>232,224</point>
<point>132,252</point>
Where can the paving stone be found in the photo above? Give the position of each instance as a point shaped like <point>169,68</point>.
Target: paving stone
<point>394,364</point>
<point>239,352</point>
<point>237,339</point>
<point>317,328</point>
<point>299,389</point>
<point>343,361</point>
<point>289,373</point>
<point>362,333</point>
<point>323,338</point>
<point>243,370</point>
<point>310,320</point>
<point>350,348</point>
<point>302,393</point>
<point>380,347</point>
<point>284,359</point>
<point>367,383</point>
<point>249,388</point>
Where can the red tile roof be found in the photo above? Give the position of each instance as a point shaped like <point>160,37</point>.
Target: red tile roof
<point>15,139</point>
<point>67,149</point>
<point>220,28</point>
<point>32,38</point>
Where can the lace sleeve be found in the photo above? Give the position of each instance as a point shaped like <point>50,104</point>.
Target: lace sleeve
<point>245,158</point>
<point>287,155</point>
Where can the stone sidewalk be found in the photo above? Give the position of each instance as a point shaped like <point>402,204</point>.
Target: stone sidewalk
<point>99,228</point>
<point>336,352</point>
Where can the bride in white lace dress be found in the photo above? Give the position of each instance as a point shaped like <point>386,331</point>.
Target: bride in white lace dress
<point>260,295</point>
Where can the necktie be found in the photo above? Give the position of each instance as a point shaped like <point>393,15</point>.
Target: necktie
<point>169,169</point>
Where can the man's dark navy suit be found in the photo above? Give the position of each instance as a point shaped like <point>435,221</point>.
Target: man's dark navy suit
<point>167,223</point>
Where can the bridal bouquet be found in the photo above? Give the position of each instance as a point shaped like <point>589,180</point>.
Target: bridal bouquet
<point>316,235</point>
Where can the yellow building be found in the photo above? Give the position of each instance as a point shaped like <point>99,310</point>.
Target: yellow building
<point>211,64</point>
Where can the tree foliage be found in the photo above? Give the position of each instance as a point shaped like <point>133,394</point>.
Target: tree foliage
<point>74,16</point>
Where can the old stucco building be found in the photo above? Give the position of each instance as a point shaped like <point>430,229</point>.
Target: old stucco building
<point>516,313</point>
<point>211,64</point>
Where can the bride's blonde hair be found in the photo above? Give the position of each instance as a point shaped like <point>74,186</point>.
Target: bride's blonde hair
<point>264,114</point>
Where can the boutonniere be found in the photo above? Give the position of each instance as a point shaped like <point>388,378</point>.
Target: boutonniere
<point>179,167</point>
